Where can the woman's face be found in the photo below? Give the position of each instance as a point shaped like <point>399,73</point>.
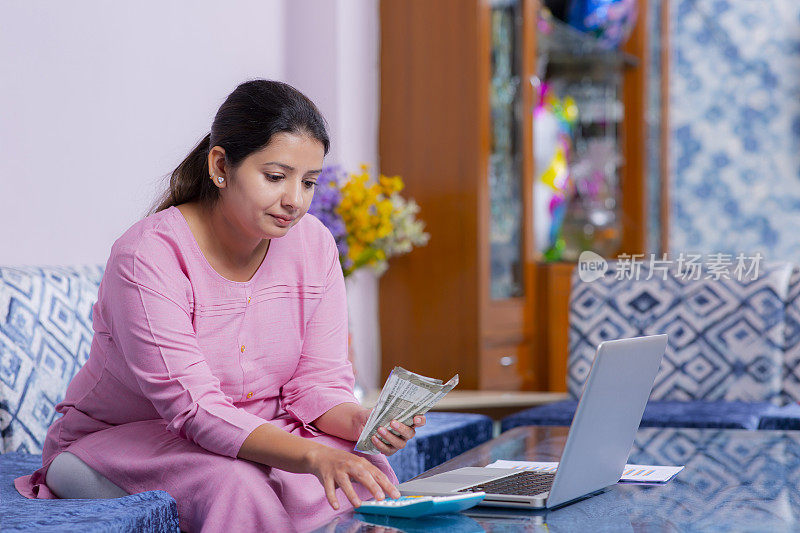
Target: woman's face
<point>273,188</point>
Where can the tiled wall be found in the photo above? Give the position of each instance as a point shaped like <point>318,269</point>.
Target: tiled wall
<point>735,127</point>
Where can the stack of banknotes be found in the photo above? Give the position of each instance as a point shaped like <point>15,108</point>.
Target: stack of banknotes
<point>404,395</point>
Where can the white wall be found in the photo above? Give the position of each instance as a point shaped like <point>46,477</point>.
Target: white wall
<point>339,69</point>
<point>100,100</point>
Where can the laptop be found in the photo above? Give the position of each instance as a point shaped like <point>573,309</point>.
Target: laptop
<point>598,444</point>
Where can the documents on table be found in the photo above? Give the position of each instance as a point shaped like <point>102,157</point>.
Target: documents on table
<point>404,395</point>
<point>631,474</point>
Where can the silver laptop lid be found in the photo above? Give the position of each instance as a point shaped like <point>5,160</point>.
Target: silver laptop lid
<point>608,415</point>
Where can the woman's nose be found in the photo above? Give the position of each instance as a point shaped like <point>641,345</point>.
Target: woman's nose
<point>292,195</point>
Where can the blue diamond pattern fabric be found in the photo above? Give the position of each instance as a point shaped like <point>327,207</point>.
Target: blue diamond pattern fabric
<point>790,387</point>
<point>152,511</point>
<point>45,336</point>
<point>726,336</point>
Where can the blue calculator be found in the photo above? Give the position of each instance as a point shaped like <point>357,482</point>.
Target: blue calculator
<point>414,506</point>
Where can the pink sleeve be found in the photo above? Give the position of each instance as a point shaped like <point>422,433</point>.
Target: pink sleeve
<point>324,377</point>
<point>147,307</point>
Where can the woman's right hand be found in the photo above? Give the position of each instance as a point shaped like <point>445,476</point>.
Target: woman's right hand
<point>337,468</point>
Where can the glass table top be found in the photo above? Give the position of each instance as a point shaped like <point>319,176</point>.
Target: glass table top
<point>734,480</point>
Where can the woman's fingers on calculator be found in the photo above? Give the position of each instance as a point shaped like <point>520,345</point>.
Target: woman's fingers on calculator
<point>338,468</point>
<point>378,484</point>
<point>347,487</point>
<point>388,487</point>
<point>368,480</point>
<point>330,492</point>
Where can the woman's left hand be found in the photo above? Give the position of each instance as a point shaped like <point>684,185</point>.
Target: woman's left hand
<point>396,442</point>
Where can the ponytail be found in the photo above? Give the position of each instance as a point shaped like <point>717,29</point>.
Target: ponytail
<point>190,181</point>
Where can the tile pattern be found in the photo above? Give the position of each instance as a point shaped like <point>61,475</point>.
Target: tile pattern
<point>735,127</point>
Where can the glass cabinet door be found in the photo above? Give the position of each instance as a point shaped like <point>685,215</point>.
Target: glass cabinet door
<point>505,179</point>
<point>578,120</point>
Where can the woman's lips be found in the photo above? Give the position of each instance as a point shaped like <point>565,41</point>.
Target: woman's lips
<point>281,221</point>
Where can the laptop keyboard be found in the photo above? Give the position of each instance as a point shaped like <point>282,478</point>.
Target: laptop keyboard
<point>524,483</point>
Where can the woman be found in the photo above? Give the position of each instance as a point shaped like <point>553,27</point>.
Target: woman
<point>218,368</point>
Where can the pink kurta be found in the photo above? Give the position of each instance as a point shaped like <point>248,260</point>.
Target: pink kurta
<point>185,364</point>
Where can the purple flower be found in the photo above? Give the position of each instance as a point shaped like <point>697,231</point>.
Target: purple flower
<point>327,197</point>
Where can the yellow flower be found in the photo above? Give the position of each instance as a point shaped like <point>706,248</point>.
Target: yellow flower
<point>357,194</point>
<point>384,230</point>
<point>361,217</point>
<point>344,205</point>
<point>355,250</point>
<point>391,185</point>
<point>385,208</point>
<point>376,221</point>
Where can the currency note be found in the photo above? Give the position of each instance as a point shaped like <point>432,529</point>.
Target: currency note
<point>404,395</point>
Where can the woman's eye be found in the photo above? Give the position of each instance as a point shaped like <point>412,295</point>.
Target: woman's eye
<point>309,184</point>
<point>274,177</point>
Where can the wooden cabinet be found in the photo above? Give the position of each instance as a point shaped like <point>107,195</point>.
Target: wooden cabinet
<point>456,124</point>
<point>555,280</point>
<point>500,366</point>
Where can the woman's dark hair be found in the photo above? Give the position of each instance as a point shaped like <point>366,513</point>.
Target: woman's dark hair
<point>245,123</point>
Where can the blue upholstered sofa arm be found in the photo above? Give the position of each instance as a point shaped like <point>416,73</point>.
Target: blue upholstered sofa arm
<point>679,414</point>
<point>152,511</point>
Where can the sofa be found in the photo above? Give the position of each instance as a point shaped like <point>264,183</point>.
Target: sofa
<point>733,354</point>
<point>45,337</point>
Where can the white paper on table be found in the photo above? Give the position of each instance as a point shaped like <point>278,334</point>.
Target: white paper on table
<point>631,474</point>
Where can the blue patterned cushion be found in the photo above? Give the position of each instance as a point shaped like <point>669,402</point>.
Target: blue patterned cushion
<point>45,336</point>
<point>790,386</point>
<point>726,336</point>
<point>783,417</point>
<point>695,414</point>
<point>443,436</point>
<point>151,511</point>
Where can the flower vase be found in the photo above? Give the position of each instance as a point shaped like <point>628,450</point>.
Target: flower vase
<point>364,336</point>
